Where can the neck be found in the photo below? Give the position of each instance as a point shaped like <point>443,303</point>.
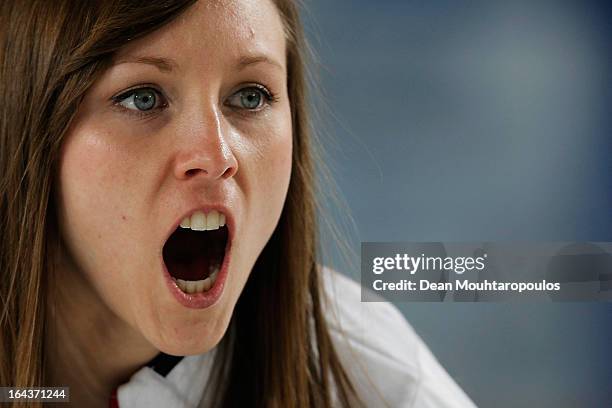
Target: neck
<point>88,347</point>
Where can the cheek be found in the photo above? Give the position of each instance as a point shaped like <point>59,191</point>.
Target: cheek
<point>82,180</point>
<point>277,169</point>
<point>264,173</point>
<point>100,182</point>
<point>88,168</point>
<point>274,173</point>
<point>92,206</point>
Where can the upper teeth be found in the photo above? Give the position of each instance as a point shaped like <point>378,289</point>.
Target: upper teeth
<point>204,222</point>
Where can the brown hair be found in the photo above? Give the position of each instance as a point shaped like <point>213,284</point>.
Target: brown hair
<point>50,54</point>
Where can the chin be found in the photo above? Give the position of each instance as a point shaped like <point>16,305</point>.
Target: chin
<point>191,339</point>
<point>187,348</point>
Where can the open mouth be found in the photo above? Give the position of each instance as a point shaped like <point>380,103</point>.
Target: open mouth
<point>194,253</point>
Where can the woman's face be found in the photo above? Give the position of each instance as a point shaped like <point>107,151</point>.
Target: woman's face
<point>190,120</point>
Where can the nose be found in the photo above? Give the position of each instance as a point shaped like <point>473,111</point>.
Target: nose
<point>205,152</point>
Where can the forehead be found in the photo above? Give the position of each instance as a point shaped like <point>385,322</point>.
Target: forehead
<point>217,31</point>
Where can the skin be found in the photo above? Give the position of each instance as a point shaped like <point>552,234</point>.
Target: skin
<point>124,181</point>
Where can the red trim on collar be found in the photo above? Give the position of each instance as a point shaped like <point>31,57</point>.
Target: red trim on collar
<point>113,401</point>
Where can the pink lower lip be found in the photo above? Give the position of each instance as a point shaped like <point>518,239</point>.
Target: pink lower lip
<point>205,299</point>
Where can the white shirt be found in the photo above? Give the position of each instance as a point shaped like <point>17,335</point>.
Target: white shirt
<point>387,361</point>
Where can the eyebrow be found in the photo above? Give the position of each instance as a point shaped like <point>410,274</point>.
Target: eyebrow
<point>163,64</point>
<point>168,65</point>
<point>244,62</point>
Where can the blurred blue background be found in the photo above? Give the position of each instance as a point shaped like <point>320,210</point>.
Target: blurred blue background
<point>478,121</point>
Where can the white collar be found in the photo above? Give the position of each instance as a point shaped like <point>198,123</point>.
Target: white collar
<point>182,387</point>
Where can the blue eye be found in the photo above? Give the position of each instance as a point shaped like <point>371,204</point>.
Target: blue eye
<point>252,98</point>
<point>140,99</point>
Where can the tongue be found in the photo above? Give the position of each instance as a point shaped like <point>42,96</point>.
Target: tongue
<point>196,268</point>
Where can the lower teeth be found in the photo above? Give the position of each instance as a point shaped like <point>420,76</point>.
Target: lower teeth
<point>199,285</point>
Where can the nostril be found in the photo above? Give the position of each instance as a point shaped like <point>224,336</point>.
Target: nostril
<point>229,172</point>
<point>193,172</point>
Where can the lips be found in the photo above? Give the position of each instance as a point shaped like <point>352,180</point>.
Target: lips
<point>196,256</point>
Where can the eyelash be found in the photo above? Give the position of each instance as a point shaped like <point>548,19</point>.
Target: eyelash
<point>269,99</point>
<point>135,112</point>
